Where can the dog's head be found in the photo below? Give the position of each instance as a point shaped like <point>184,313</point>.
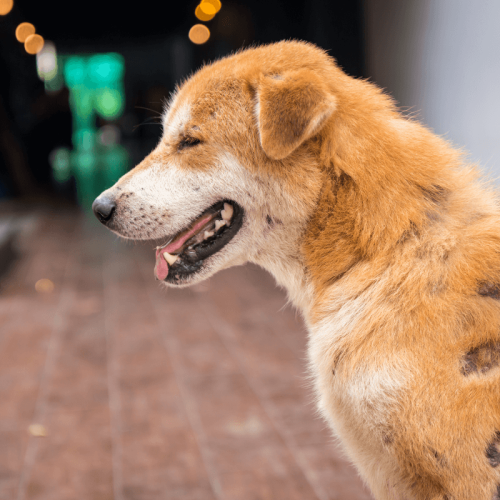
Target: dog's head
<point>235,176</point>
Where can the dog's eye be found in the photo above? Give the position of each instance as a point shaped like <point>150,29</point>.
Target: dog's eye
<point>188,142</point>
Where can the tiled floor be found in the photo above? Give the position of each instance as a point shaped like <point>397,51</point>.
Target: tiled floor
<point>196,394</point>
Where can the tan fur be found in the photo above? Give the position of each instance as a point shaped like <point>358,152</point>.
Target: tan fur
<point>383,237</point>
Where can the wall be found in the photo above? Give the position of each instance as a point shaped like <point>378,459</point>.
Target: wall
<point>441,59</point>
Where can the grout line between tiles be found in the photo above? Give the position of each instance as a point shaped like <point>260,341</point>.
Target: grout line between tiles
<point>113,393</point>
<point>40,411</point>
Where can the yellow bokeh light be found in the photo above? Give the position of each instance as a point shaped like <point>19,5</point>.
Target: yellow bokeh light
<point>200,14</point>
<point>199,34</point>
<point>215,3</point>
<point>23,31</point>
<point>44,286</point>
<point>6,6</point>
<point>34,44</point>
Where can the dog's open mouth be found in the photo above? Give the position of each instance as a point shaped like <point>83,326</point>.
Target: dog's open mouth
<point>184,254</point>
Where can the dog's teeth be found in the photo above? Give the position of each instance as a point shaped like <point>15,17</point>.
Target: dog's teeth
<point>171,259</point>
<point>227,213</point>
<point>208,234</point>
<point>219,224</point>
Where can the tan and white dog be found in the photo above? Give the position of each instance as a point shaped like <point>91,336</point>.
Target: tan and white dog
<point>379,230</point>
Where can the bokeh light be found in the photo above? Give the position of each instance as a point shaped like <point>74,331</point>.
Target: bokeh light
<point>23,31</point>
<point>6,6</point>
<point>44,286</point>
<point>34,44</point>
<point>60,160</point>
<point>199,34</point>
<point>109,103</point>
<point>37,430</point>
<point>208,9</point>
<point>109,135</point>
<point>215,3</point>
<point>46,62</point>
<point>200,14</point>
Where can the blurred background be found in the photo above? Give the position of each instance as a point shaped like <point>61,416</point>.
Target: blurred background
<point>109,386</point>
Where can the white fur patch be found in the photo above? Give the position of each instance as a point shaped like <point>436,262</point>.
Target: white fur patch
<point>176,118</point>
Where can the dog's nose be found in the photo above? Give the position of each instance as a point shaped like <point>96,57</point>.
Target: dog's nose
<point>104,208</point>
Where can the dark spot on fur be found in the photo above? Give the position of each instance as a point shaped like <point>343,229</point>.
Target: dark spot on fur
<point>118,188</point>
<point>269,221</point>
<point>436,286</point>
<point>481,359</point>
<point>333,371</point>
<point>435,194</point>
<point>489,290</point>
<point>141,208</point>
<point>496,496</point>
<point>343,180</point>
<point>433,216</point>
<point>441,459</point>
<point>196,189</point>
<point>493,450</point>
<point>411,232</point>
<point>388,438</point>
<point>278,221</point>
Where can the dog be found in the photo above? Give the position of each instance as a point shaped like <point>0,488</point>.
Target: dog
<point>385,238</point>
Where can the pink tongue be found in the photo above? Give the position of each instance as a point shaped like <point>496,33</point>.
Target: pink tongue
<point>175,245</point>
<point>161,268</point>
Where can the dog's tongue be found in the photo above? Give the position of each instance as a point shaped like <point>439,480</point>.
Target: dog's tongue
<point>161,267</point>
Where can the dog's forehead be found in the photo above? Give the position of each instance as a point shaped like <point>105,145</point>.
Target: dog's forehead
<point>176,116</point>
<point>200,98</point>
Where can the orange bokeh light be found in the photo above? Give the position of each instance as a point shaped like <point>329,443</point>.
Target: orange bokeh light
<point>215,3</point>
<point>23,31</point>
<point>201,15</point>
<point>34,44</point>
<point>6,6</point>
<point>44,286</point>
<point>199,34</point>
<point>208,8</point>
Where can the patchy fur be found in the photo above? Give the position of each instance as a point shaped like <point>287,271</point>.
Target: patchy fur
<point>383,236</point>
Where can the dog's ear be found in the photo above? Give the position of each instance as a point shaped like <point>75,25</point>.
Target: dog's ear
<point>290,109</point>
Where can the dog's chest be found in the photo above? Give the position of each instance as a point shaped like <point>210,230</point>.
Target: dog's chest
<point>358,385</point>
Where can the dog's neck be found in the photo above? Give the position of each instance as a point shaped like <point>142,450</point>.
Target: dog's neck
<point>377,191</point>
<point>280,255</point>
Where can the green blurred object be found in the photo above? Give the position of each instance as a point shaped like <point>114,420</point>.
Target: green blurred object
<point>61,165</point>
<point>96,89</point>
<point>109,103</point>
